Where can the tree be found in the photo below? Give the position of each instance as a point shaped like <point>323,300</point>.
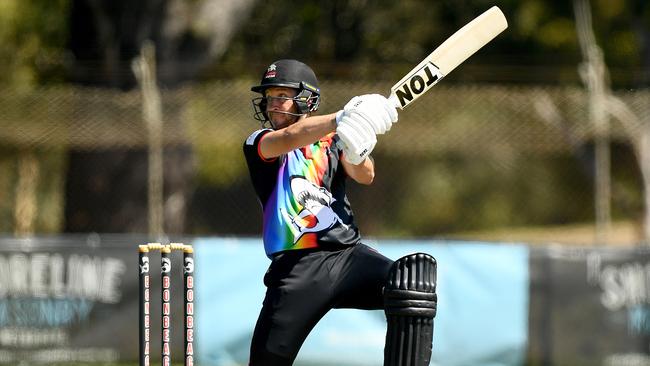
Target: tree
<point>106,188</point>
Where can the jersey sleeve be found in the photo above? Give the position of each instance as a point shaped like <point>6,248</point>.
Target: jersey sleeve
<point>263,172</point>
<point>252,147</point>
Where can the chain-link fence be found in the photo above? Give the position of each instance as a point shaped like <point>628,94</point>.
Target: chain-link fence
<point>462,158</point>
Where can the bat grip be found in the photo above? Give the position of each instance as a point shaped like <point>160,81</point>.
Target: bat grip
<point>393,99</point>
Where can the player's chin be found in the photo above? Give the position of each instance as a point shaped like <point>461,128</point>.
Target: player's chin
<point>278,124</point>
<point>280,120</point>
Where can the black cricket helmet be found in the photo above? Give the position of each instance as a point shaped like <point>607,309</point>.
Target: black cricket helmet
<point>289,74</point>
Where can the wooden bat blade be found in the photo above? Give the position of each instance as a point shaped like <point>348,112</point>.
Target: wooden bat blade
<point>451,53</point>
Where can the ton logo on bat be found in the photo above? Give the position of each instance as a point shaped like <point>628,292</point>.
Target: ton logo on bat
<point>422,79</point>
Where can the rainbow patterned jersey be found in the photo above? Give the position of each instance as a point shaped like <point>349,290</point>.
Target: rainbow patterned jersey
<point>302,194</point>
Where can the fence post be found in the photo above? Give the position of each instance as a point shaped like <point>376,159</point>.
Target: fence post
<point>144,68</point>
<point>594,74</point>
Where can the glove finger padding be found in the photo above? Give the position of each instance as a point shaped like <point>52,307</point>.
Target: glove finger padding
<point>372,118</point>
<point>358,140</point>
<point>360,124</point>
<point>377,110</point>
<point>349,134</point>
<point>385,110</point>
<point>388,106</point>
<point>367,106</point>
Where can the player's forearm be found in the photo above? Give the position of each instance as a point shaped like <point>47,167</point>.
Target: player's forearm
<point>299,134</point>
<point>310,130</point>
<point>363,173</point>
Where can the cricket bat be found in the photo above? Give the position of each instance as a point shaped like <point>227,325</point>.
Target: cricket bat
<point>451,53</point>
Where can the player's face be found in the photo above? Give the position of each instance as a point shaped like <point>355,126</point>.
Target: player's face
<point>279,104</point>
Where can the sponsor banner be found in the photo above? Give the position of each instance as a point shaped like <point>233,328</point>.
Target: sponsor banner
<point>75,299</point>
<point>482,308</point>
<point>590,306</point>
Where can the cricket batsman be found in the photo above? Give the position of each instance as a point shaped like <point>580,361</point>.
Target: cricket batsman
<point>299,165</point>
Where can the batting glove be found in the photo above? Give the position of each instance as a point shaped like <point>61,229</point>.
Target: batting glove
<point>357,138</point>
<point>375,109</point>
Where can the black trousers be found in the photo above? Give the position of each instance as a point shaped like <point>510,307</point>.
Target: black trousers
<point>302,286</point>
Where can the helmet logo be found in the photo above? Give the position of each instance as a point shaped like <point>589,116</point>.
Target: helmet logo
<point>270,72</point>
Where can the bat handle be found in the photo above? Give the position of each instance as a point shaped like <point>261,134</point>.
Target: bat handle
<point>393,99</point>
